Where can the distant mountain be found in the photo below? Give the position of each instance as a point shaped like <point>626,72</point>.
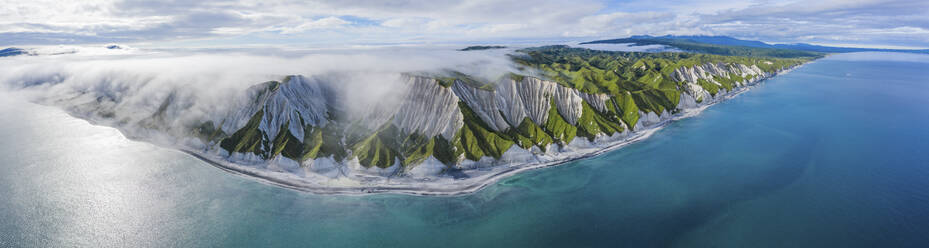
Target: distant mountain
<point>473,48</point>
<point>677,41</point>
<point>13,51</point>
<point>718,40</point>
<point>719,45</point>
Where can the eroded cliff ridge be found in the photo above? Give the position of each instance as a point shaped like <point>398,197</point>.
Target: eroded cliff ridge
<point>580,94</point>
<point>561,103</point>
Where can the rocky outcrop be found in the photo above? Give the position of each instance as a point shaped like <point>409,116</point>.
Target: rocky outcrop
<point>569,104</point>
<point>428,109</point>
<point>687,101</point>
<point>484,104</point>
<point>710,72</point>
<point>699,94</point>
<point>650,119</point>
<point>517,100</point>
<point>526,98</point>
<point>597,101</point>
<point>294,103</point>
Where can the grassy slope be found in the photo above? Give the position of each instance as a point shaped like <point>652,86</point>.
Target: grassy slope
<point>644,76</point>
<point>633,81</point>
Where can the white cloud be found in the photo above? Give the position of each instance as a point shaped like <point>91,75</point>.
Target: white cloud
<point>500,28</point>
<point>368,21</point>
<point>403,22</point>
<point>623,23</point>
<point>322,23</point>
<point>134,84</point>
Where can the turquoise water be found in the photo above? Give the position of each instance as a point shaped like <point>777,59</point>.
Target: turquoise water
<point>834,154</point>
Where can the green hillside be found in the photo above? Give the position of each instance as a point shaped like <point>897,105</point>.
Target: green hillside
<point>633,82</point>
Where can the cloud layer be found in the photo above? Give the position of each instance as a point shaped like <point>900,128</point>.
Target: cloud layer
<point>127,87</point>
<point>326,22</point>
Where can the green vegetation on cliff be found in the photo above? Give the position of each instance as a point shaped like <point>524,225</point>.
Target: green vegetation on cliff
<point>560,130</point>
<point>646,76</point>
<point>478,139</point>
<point>628,108</point>
<point>593,123</point>
<point>248,139</point>
<point>629,82</point>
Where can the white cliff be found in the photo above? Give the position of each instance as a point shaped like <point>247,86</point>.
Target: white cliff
<point>423,106</point>
<point>483,103</point>
<point>296,102</point>
<point>526,98</point>
<point>597,101</point>
<point>709,71</point>
<point>517,100</point>
<point>569,104</point>
<point>343,159</point>
<point>428,109</point>
<point>687,101</point>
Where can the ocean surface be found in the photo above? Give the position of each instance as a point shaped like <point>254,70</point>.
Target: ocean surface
<point>833,154</point>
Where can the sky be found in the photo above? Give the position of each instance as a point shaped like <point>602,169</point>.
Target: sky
<point>326,23</point>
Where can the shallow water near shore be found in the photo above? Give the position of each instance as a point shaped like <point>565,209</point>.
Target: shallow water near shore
<point>833,154</point>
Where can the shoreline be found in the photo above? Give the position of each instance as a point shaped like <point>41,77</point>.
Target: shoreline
<point>468,189</point>
<point>444,185</point>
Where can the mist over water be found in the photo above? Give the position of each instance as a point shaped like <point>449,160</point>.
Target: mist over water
<point>125,88</point>
<point>833,154</point>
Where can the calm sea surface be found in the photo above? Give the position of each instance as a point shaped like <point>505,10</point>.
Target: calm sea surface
<point>834,154</point>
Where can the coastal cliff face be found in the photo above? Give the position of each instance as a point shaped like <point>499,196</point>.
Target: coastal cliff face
<point>431,126</point>
<point>510,102</point>
<point>460,126</point>
<point>713,76</point>
<point>429,109</point>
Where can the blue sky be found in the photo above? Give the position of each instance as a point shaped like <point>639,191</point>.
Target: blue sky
<point>875,23</point>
